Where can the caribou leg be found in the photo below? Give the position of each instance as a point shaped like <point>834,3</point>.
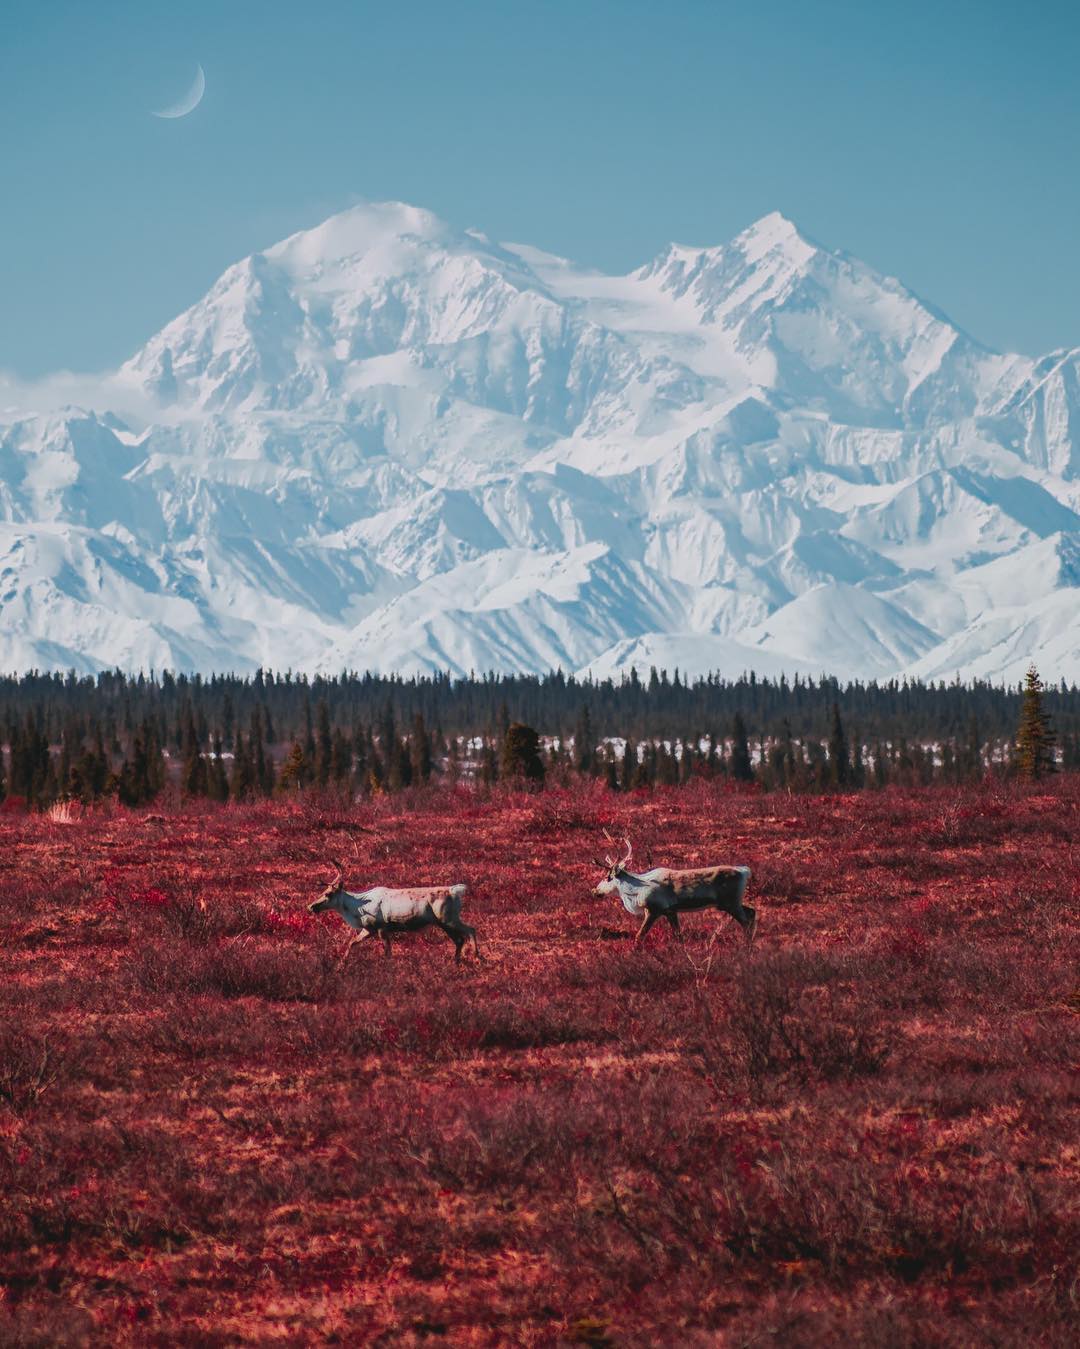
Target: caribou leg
<point>650,918</point>
<point>386,943</point>
<point>360,936</point>
<point>673,918</point>
<point>453,931</point>
<point>460,934</point>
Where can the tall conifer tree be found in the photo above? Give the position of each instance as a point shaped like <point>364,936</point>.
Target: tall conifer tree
<point>742,770</point>
<point>1035,737</point>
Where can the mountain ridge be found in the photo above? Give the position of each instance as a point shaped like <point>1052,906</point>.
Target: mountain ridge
<point>389,443</point>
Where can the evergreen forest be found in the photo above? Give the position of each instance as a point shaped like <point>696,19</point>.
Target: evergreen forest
<point>81,738</point>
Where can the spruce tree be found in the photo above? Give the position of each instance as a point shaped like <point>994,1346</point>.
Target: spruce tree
<point>629,765</point>
<point>790,768</point>
<point>324,746</point>
<point>309,741</point>
<point>50,788</point>
<point>294,770</point>
<point>134,784</point>
<point>359,750</point>
<point>645,768</point>
<point>155,760</point>
<point>715,762</point>
<point>453,761</point>
<point>189,739</point>
<point>99,770</point>
<point>742,770</point>
<point>67,742</point>
<point>489,763</point>
<point>1035,736</point>
<point>584,743</point>
<point>340,759</point>
<point>387,732</point>
<point>905,762</point>
<point>196,780</point>
<point>399,769</point>
<point>521,754</point>
<point>839,765</point>
<point>242,778</point>
<point>858,765</point>
<point>420,751</point>
<point>376,771</point>
<point>75,788</point>
<point>17,772</point>
<point>142,773</point>
<point>218,782</point>
<point>262,769</point>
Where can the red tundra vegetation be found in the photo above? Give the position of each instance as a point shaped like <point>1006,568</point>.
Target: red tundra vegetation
<point>860,1130</point>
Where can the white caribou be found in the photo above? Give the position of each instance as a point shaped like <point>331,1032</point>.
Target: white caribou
<point>385,910</point>
<point>665,893</point>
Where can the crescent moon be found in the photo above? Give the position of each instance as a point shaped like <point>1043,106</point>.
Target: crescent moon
<point>190,101</point>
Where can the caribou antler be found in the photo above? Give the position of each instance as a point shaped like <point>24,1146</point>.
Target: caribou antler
<point>340,877</point>
<point>624,861</point>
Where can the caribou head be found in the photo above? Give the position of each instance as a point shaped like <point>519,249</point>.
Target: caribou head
<point>326,899</point>
<point>613,868</point>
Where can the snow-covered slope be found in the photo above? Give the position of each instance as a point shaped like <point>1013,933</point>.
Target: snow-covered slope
<point>386,443</point>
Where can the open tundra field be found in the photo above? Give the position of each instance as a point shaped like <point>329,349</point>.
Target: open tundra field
<point>861,1129</point>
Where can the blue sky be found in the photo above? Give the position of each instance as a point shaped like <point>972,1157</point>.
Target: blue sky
<point>939,142</point>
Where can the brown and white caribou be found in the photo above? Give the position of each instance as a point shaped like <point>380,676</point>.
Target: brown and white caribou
<point>385,910</point>
<point>665,893</point>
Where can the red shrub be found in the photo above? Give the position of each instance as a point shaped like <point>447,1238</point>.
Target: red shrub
<point>860,1129</point>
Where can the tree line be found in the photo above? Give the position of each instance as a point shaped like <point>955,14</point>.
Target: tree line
<point>66,737</point>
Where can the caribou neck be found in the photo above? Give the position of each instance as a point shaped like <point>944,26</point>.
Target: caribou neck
<point>632,888</point>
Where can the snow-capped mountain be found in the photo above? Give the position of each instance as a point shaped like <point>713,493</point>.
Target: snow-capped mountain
<point>388,444</point>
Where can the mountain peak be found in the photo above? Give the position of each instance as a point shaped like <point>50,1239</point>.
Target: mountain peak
<point>775,224</point>
<point>360,228</point>
<point>774,233</point>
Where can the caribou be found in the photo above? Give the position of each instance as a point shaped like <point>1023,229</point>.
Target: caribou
<point>665,893</point>
<point>385,910</point>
